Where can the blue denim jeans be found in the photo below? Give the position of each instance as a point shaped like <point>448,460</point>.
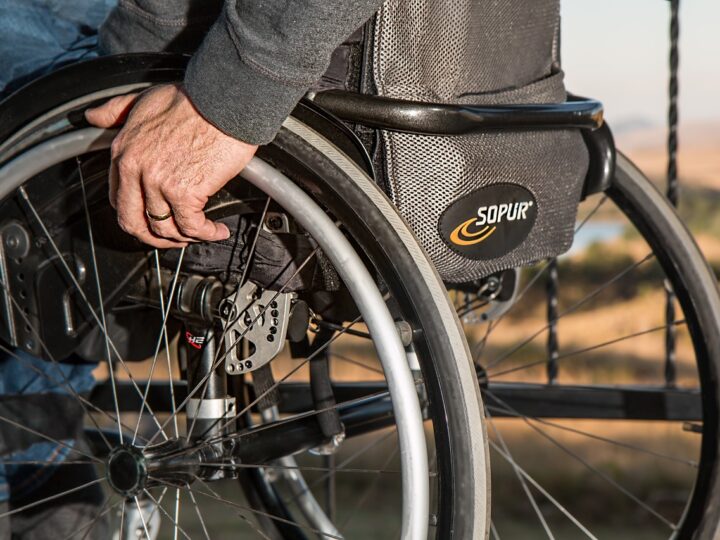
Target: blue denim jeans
<point>37,36</point>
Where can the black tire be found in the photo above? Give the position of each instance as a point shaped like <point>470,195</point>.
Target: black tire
<point>696,287</point>
<point>594,414</point>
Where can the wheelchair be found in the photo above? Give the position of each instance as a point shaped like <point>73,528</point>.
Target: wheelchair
<point>311,376</point>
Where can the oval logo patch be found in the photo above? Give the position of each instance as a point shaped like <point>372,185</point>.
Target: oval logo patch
<point>489,222</point>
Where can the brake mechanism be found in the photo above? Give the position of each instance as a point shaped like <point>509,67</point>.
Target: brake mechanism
<point>258,316</point>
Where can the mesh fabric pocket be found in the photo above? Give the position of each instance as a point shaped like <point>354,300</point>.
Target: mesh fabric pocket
<point>486,53</point>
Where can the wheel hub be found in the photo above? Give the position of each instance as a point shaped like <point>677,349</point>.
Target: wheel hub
<point>127,470</point>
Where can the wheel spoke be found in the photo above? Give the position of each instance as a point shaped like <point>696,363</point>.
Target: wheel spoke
<point>242,516</point>
<point>103,511</point>
<point>159,507</point>
<point>368,490</point>
<point>167,347</point>
<point>479,348</point>
<point>142,517</point>
<point>163,334</point>
<point>590,348</point>
<point>198,512</point>
<point>47,438</point>
<point>593,436</point>
<point>341,466</point>
<point>356,363</point>
<point>50,463</point>
<point>261,513</point>
<point>595,470</point>
<point>533,280</point>
<point>547,264</point>
<point>571,309</point>
<point>278,466</point>
<point>122,521</point>
<point>543,268</point>
<point>82,294</point>
<point>542,490</point>
<point>594,211</point>
<point>51,497</point>
<point>66,382</point>
<point>177,513</point>
<point>101,301</point>
<point>218,361</point>
<point>493,531</point>
<point>521,479</point>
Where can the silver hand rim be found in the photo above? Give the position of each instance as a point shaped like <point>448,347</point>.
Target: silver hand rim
<point>370,303</point>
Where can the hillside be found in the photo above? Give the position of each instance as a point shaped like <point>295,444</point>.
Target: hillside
<point>698,158</point>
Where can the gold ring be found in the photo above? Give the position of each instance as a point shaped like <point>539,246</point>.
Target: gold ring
<point>154,217</point>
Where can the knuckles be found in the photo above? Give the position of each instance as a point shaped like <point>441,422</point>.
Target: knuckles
<point>127,166</point>
<point>127,226</point>
<point>189,229</point>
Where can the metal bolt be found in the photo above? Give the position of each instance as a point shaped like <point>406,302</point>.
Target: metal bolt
<point>271,338</point>
<point>405,331</point>
<point>274,313</point>
<point>275,223</point>
<point>493,283</point>
<point>273,330</point>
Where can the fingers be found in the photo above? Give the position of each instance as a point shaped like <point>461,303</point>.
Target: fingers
<point>156,205</point>
<point>132,193</point>
<point>130,203</point>
<point>192,223</point>
<point>112,113</point>
<point>165,159</point>
<point>113,182</point>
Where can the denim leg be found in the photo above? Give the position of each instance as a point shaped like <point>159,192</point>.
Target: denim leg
<point>38,36</point>
<point>24,374</point>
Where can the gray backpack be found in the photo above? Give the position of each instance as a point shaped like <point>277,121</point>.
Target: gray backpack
<point>486,202</point>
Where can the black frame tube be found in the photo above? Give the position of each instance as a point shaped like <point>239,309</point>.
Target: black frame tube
<point>449,119</point>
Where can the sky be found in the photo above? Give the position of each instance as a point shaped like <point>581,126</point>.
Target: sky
<point>617,51</point>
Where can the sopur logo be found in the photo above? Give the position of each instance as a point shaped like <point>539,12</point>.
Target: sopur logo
<point>489,222</point>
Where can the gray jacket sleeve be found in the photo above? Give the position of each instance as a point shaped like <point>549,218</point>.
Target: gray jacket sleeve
<point>256,61</point>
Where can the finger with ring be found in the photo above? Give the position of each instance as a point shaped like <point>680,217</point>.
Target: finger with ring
<point>158,217</point>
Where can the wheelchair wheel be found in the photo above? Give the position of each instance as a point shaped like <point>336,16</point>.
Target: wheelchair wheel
<point>602,415</point>
<point>317,343</point>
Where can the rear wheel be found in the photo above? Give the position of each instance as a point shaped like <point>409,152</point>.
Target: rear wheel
<point>175,431</point>
<point>603,416</point>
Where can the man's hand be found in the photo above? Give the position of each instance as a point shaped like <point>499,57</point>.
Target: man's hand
<point>167,159</point>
